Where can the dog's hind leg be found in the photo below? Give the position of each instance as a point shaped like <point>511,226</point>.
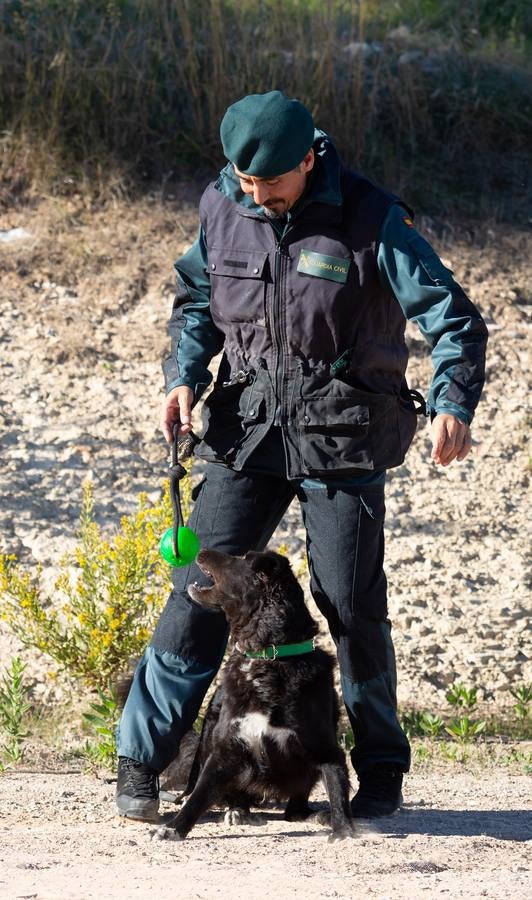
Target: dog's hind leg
<point>237,815</point>
<point>336,783</point>
<point>237,808</point>
<point>211,782</point>
<point>297,808</point>
<point>176,776</point>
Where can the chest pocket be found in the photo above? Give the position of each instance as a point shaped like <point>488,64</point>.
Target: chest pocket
<point>239,280</point>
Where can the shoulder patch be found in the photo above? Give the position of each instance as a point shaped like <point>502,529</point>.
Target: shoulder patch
<point>408,221</point>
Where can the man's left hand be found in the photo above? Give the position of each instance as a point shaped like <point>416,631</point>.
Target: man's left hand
<point>451,439</point>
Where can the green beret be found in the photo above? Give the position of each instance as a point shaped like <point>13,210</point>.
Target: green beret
<point>266,134</point>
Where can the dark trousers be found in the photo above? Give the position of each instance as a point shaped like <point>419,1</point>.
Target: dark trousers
<point>236,512</point>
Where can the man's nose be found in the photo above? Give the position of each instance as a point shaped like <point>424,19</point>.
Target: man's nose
<point>260,193</point>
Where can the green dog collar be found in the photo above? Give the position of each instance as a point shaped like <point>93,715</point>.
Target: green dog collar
<point>276,652</point>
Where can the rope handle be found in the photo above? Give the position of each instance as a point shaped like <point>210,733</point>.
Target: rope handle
<point>181,448</point>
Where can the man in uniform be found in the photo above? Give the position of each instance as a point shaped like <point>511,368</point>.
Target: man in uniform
<point>304,274</point>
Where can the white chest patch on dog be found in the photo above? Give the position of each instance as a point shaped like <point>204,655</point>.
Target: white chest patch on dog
<point>254,726</point>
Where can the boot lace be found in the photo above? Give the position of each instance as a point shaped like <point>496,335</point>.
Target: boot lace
<point>142,780</point>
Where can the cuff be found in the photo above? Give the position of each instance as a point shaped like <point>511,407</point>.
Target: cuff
<point>451,409</point>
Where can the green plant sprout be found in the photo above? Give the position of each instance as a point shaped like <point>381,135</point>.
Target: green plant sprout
<point>464,730</point>
<point>523,695</point>
<point>103,720</point>
<point>431,725</point>
<point>461,696</point>
<point>13,710</point>
<point>411,723</point>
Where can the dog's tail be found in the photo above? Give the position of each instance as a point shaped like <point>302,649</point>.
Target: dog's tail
<point>122,686</point>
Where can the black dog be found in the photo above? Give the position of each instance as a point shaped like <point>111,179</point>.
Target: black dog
<point>270,729</point>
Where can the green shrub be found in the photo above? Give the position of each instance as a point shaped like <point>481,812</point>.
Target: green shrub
<point>106,600</point>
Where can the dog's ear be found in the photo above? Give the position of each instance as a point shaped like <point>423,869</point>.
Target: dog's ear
<point>268,564</point>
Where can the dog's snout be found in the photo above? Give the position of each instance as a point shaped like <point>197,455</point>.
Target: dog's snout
<point>212,559</point>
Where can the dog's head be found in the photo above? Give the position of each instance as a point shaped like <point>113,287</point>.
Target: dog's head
<point>259,595</point>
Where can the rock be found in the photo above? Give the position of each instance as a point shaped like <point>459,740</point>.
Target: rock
<point>10,235</point>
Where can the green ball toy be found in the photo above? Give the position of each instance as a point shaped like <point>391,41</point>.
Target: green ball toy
<point>188,546</point>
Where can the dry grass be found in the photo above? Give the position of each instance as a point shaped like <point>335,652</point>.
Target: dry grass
<point>105,94</point>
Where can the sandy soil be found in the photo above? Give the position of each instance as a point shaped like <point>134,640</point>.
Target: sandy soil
<point>86,295</point>
<point>458,836</point>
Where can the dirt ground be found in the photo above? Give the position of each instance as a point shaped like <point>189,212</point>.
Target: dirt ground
<point>460,834</point>
<point>86,293</point>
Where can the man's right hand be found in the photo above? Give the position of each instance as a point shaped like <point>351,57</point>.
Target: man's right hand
<point>176,409</point>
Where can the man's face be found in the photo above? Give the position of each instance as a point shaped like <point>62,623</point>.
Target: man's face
<point>277,195</point>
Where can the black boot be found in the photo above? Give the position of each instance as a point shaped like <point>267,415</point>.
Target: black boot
<point>137,790</point>
<point>379,794</point>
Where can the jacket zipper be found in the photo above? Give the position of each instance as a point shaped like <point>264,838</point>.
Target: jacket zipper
<point>278,327</point>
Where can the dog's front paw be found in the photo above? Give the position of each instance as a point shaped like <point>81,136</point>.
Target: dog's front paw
<point>342,834</point>
<point>237,816</point>
<point>164,833</point>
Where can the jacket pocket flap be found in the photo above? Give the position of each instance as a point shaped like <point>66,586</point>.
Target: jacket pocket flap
<point>237,263</point>
<point>334,412</point>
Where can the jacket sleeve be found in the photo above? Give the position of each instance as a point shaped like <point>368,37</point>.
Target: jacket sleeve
<point>195,339</point>
<point>451,324</point>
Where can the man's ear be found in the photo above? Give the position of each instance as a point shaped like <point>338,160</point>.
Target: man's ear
<point>267,563</point>
<point>308,161</point>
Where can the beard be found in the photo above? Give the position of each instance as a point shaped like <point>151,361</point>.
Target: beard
<point>271,213</point>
